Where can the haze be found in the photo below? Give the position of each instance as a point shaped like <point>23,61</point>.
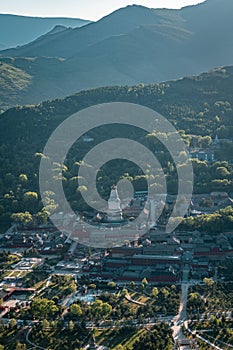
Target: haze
<point>89,9</point>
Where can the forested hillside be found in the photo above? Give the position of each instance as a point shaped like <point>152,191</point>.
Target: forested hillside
<point>199,105</point>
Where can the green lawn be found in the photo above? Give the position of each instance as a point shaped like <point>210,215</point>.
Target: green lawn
<point>114,337</point>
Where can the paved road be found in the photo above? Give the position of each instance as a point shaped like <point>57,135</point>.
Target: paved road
<point>182,315</point>
<point>181,318</point>
<point>213,346</point>
<point>32,344</point>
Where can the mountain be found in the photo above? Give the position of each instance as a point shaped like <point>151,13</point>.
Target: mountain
<point>73,41</point>
<point>191,104</point>
<point>19,30</point>
<point>130,46</point>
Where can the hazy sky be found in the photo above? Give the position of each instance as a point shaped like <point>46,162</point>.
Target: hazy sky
<point>86,9</point>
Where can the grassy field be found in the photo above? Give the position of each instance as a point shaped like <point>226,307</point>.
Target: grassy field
<point>13,81</point>
<point>112,338</point>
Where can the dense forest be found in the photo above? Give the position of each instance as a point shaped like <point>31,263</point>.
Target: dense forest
<point>199,107</point>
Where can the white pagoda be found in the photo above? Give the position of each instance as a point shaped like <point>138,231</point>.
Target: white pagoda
<point>114,212</point>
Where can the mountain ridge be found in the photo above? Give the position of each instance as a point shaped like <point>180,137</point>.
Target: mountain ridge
<point>116,23</point>
<point>132,45</point>
<point>19,30</point>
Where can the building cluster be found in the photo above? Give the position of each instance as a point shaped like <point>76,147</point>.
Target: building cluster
<point>44,240</point>
<point>209,153</point>
<point>11,297</point>
<point>127,254</point>
<point>160,257</point>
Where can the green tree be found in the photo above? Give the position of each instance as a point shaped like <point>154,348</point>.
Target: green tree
<point>124,292</point>
<point>164,293</point>
<point>72,287</point>
<point>12,322</point>
<point>76,310</point>
<point>154,292</point>
<point>222,173</point>
<point>23,178</point>
<point>100,309</point>
<point>71,325</point>
<point>42,308</point>
<point>144,283</point>
<point>20,346</point>
<point>106,309</point>
<point>204,142</point>
<point>45,324</point>
<point>111,285</point>
<point>42,216</point>
<point>209,282</point>
<point>92,286</point>
<point>30,201</point>
<point>132,284</point>
<point>22,218</point>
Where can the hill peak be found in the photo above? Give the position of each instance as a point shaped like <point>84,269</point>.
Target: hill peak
<point>57,29</point>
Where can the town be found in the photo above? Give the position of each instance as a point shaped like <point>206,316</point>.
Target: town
<point>152,276</point>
